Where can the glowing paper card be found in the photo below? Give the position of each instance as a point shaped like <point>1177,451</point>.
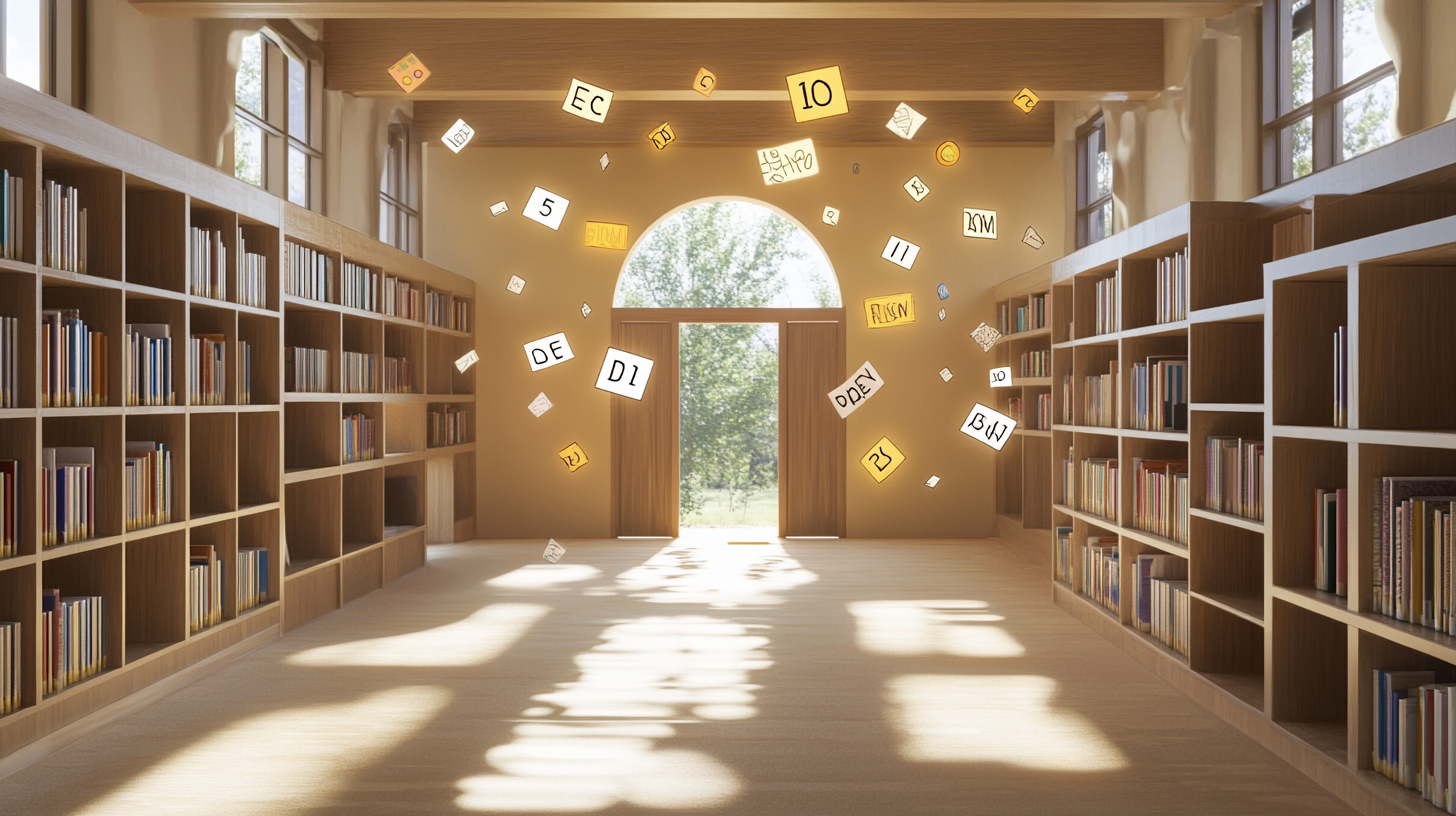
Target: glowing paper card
<point>817,94</point>
<point>985,336</point>
<point>409,73</point>
<point>932,481</point>
<point>1026,100</point>
<point>553,552</point>
<point>978,223</point>
<point>587,101</point>
<point>606,236</point>
<point>539,405</point>
<point>916,188</point>
<point>457,136</point>
<point>498,208</point>
<point>945,374</point>
<point>905,121</point>
<point>1001,377</point>
<point>573,456</point>
<point>883,459</point>
<point>705,82</point>
<point>546,208</point>
<point>470,359</point>
<point>852,393</point>
<point>831,216</point>
<point>604,161</point>
<point>988,426</point>
<point>889,310</point>
<point>1031,239</point>
<point>948,153</point>
<point>585,309</point>
<point>662,136</point>
<point>942,291</point>
<point>942,315</point>
<point>548,351</point>
<point>624,373</point>
<point>516,285</point>
<point>900,252</point>
<point>788,162</point>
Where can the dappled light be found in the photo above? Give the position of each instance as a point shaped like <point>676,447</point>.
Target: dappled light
<point>720,575</point>
<point>544,576</point>
<point>957,628</point>
<point>479,638</point>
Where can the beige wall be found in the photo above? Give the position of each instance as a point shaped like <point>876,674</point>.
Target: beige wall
<point>525,491</point>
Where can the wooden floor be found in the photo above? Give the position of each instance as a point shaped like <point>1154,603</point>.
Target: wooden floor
<point>820,677</point>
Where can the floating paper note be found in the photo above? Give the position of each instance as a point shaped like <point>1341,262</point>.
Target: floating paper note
<point>948,153</point>
<point>942,315</point>
<point>905,121</point>
<point>470,359</point>
<point>883,459</point>
<point>409,73</point>
<point>945,374</point>
<point>831,216</point>
<point>573,456</point>
<point>1001,377</point>
<point>916,188</point>
<point>932,481</point>
<point>985,336</point>
<point>458,136</point>
<point>978,223</point>
<point>889,310</point>
<point>553,552</point>
<point>988,426</point>
<point>540,404</point>
<point>943,292</point>
<point>1026,100</point>
<point>585,309</point>
<point>606,236</point>
<point>705,82</point>
<point>498,208</point>
<point>1031,239</point>
<point>604,161</point>
<point>788,162</point>
<point>856,168</point>
<point>546,208</point>
<point>900,252</point>
<point>587,101</point>
<point>817,94</point>
<point>624,373</point>
<point>851,394</point>
<point>516,285</point>
<point>548,351</point>
<point>662,136</point>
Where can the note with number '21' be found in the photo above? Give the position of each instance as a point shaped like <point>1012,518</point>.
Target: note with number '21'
<point>988,426</point>
<point>787,162</point>
<point>882,460</point>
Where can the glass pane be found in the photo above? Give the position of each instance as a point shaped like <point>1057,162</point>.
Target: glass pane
<point>1362,46</point>
<point>1301,137</point>
<point>1302,52</point>
<point>412,246</point>
<point>386,221</point>
<point>1101,163</point>
<point>388,179</point>
<point>248,152</point>
<point>298,101</point>
<point>22,41</point>
<point>1365,118</point>
<point>1099,222</point>
<point>297,176</point>
<point>249,84</point>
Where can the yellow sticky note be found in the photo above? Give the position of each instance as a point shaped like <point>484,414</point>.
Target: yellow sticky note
<point>1026,100</point>
<point>882,459</point>
<point>606,236</point>
<point>889,310</point>
<point>409,73</point>
<point>663,136</point>
<point>948,153</point>
<point>573,456</point>
<point>817,94</point>
<point>705,82</point>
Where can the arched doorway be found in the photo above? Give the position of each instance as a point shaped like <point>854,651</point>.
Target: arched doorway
<point>728,268</point>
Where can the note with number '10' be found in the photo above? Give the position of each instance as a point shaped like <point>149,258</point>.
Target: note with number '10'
<point>900,252</point>
<point>1001,377</point>
<point>817,94</point>
<point>624,373</point>
<point>787,162</point>
<point>470,359</point>
<point>864,383</point>
<point>991,427</point>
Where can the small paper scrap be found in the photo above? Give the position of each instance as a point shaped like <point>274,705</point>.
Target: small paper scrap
<point>787,162</point>
<point>705,82</point>
<point>916,188</point>
<point>1031,239</point>
<point>864,383</point>
<point>604,161</point>
<point>900,252</point>
<point>882,460</point>
<point>942,315</point>
<point>573,456</point>
<point>585,309</point>
<point>498,208</point>
<point>932,481</point>
<point>1026,100</point>
<point>1001,377</point>
<point>516,285</point>
<point>457,136</point>
<point>945,374</point>
<point>831,216</point>
<point>905,121</point>
<point>988,426</point>
<point>553,552</point>
<point>985,336</point>
<point>662,136</point>
<point>409,73</point>
<point>470,359</point>
<point>540,404</point>
<point>942,291</point>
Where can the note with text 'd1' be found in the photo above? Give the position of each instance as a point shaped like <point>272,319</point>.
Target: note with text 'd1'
<point>624,373</point>
<point>852,393</point>
<point>988,426</point>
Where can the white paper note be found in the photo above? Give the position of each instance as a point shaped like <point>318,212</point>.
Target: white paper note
<point>831,216</point>
<point>624,373</point>
<point>932,481</point>
<point>978,223</point>
<point>945,374</point>
<point>587,101</point>
<point>604,161</point>
<point>516,285</point>
<point>942,314</point>
<point>548,351</point>
<point>546,208</point>
<point>864,383</point>
<point>470,359</point>
<point>788,162</point>
<point>985,336</point>
<point>900,252</point>
<point>905,121</point>
<point>498,208</point>
<point>1031,239</point>
<point>458,136</point>
<point>585,309</point>
<point>1001,377</point>
<point>988,426</point>
<point>540,404</point>
<point>917,188</point>
<point>553,552</point>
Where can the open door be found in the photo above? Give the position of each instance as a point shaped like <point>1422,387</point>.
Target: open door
<point>645,436</point>
<point>811,434</point>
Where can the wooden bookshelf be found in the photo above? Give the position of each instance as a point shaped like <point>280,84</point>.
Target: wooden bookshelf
<point>265,473</point>
<point>1023,494</point>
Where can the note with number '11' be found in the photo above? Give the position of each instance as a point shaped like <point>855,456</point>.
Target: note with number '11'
<point>900,252</point>
<point>787,162</point>
<point>852,393</point>
<point>991,427</point>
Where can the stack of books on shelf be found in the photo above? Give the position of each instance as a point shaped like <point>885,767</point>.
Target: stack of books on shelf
<point>306,370</point>
<point>359,373</point>
<point>207,369</point>
<point>12,216</point>
<point>252,276</point>
<point>1044,412</point>
<point>1002,323</point>
<point>245,373</point>
<point>1013,408</point>
<point>1064,554</point>
<point>68,480</point>
<point>65,229</point>
<point>1331,541</point>
<point>1413,580</point>
<point>308,274</point>
<point>1160,497</point>
<point>1170,613</point>
<point>1342,378</point>
<point>448,426</point>
<point>1234,476</point>
<point>1413,722</point>
<point>1100,571</point>
<point>9,359</point>
<point>1106,306</point>
<point>1099,487</point>
<point>204,587</point>
<point>1173,287</point>
<point>146,369</point>
<point>1158,581</point>
<point>11,678</point>
<point>360,287</point>
<point>1036,364</point>
<point>1066,399</point>
<point>209,264</point>
<point>73,645</point>
<point>252,577</point>
<point>401,299</point>
<point>1160,394</point>
<point>399,375</point>
<point>1099,398</point>
<point>148,480</point>
<point>10,507</point>
<point>73,361</point>
<point>444,311</point>
<point>358,438</point>
<point>1069,471</point>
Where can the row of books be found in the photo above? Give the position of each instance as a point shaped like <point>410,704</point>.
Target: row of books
<point>1331,542</point>
<point>73,361</point>
<point>245,373</point>
<point>1043,416</point>
<point>1036,364</point>
<point>1026,318</point>
<point>252,276</point>
<point>9,361</point>
<point>1099,398</point>
<point>358,438</point>
<point>209,264</point>
<point>444,311</point>
<point>11,684</point>
<point>1413,525</point>
<point>1160,497</point>
<point>402,299</point>
<point>65,229</point>
<point>1413,720</point>
<point>1100,571</point>
<point>1342,378</point>
<point>1160,394</point>
<point>149,482</point>
<point>12,216</point>
<point>1150,607</point>
<point>448,426</point>
<point>207,369</point>
<point>68,482</point>
<point>1106,313</point>
<point>1234,476</point>
<point>205,574</point>
<point>359,373</point>
<point>308,274</point>
<point>306,370</point>
<point>1062,560</point>
<point>73,639</point>
<point>1172,287</point>
<point>1099,487</point>
<point>1170,613</point>
<point>146,366</point>
<point>10,507</point>
<point>359,287</point>
<point>252,577</point>
<point>399,375</point>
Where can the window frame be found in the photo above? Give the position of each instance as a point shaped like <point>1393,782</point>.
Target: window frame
<point>396,208</point>
<point>1085,207</point>
<point>274,124</point>
<point>62,49</point>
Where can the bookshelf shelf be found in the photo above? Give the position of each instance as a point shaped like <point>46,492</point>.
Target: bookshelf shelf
<point>1253,525</point>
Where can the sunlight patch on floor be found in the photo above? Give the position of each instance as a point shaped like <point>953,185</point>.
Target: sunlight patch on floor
<point>544,576</point>
<point>702,567</point>
<point>957,628</point>
<point>478,639</point>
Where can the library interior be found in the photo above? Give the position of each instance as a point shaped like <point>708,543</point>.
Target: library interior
<point>570,425</point>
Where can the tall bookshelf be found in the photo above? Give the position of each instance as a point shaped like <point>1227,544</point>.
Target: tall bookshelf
<point>1370,245</point>
<point>234,487</point>
<point>1023,494</point>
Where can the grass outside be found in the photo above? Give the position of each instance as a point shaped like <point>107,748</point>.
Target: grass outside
<point>762,510</point>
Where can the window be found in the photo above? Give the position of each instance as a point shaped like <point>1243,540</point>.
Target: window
<point>399,192</point>
<point>276,135</point>
<point>1094,183</point>
<point>36,38</point>
<point>1329,86</point>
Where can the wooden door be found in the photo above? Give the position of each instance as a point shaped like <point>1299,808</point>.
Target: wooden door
<point>645,436</point>
<point>811,434</point>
